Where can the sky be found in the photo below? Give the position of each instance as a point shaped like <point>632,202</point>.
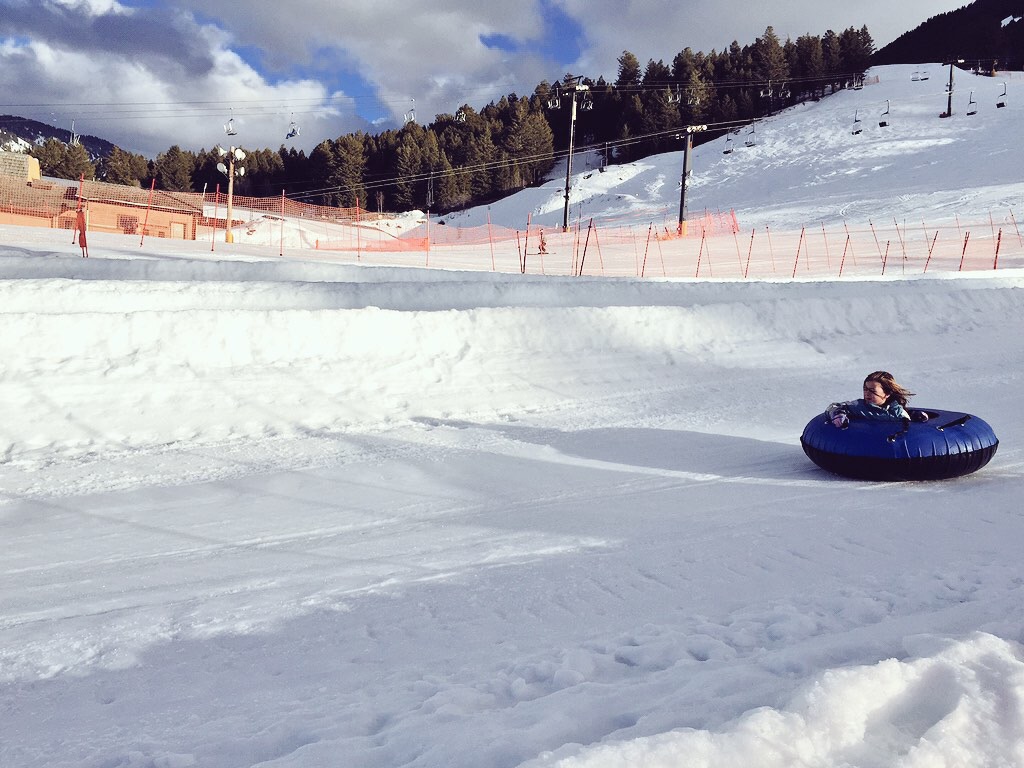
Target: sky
<point>302,508</point>
<point>150,74</point>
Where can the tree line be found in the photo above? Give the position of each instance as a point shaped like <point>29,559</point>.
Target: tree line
<point>472,157</point>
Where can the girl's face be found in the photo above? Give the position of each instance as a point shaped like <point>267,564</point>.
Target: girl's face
<point>874,394</point>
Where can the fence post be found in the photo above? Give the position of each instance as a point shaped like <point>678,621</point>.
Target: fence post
<point>526,243</point>
<point>878,246</point>
<point>700,253</point>
<point>930,249</point>
<point>739,256</point>
<point>647,247</point>
<point>903,245</point>
<point>849,242</point>
<point>586,242</point>
<point>216,202</point>
<point>282,223</point>
<point>490,238</point>
<point>828,257</point>
<point>149,205</point>
<point>799,245</point>
<point>999,240</point>
<point>661,255</point>
<point>842,260</point>
<point>963,254</point>
<point>771,251</point>
<point>750,250</point>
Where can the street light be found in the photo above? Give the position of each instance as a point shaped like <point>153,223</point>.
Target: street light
<point>230,170</point>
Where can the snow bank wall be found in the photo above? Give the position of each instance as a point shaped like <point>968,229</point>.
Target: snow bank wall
<point>104,365</point>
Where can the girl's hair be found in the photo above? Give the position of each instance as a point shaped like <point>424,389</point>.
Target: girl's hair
<point>892,390</point>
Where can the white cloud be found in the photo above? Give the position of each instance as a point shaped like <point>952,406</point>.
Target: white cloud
<point>166,78</point>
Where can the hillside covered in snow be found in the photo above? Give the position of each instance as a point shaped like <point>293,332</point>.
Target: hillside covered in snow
<point>293,510</point>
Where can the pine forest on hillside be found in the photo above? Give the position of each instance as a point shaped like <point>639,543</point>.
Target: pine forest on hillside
<point>474,156</point>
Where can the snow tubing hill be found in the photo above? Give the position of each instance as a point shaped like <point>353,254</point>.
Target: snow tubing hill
<point>949,444</point>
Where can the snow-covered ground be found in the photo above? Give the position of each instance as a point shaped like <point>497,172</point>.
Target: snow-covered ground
<point>276,512</point>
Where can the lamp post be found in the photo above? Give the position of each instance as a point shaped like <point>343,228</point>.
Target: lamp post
<point>687,148</point>
<point>230,170</point>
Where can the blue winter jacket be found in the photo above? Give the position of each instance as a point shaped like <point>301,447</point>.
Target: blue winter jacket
<point>860,409</point>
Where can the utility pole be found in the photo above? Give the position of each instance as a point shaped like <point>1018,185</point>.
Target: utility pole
<point>687,148</point>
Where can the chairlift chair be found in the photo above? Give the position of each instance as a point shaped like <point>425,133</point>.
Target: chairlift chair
<point>751,138</point>
<point>293,129</point>
<point>1002,98</point>
<point>972,105</point>
<point>883,122</point>
<point>555,99</point>
<point>916,76</point>
<point>229,126</point>
<point>924,75</point>
<point>857,127</point>
<point>728,145</point>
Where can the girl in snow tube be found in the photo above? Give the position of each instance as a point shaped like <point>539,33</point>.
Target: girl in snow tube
<point>877,438</point>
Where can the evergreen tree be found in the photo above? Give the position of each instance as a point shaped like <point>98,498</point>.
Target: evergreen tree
<point>447,194</point>
<point>697,98</point>
<point>50,155</point>
<point>174,170</point>
<point>63,161</point>
<point>76,163</point>
<point>808,65</point>
<point>350,165</point>
<point>833,58</point>
<point>683,66</point>
<point>660,117</point>
<point>629,71</point>
<point>262,169</point>
<point>123,168</point>
<point>324,170</point>
<point>656,75</point>
<point>529,144</point>
<point>855,49</point>
<point>408,164</point>
<point>480,155</point>
<point>770,59</point>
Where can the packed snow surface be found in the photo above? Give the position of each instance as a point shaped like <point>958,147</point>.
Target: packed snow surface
<point>264,511</point>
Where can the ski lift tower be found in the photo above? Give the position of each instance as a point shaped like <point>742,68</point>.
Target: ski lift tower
<point>949,89</point>
<point>572,87</point>
<point>687,149</point>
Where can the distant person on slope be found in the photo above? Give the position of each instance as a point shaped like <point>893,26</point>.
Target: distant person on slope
<point>883,399</point>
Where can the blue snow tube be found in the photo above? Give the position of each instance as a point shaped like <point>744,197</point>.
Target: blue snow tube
<point>949,444</point>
